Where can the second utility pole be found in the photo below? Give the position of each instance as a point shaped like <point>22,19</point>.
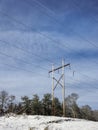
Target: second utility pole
<point>62,84</point>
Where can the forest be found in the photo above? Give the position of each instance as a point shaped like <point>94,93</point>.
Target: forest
<point>37,106</point>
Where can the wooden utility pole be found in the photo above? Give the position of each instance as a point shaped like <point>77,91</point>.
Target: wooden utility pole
<point>53,109</point>
<point>58,81</point>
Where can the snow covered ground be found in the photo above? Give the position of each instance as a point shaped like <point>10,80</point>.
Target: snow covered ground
<point>25,122</point>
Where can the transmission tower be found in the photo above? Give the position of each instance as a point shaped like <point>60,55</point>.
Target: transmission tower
<point>60,82</point>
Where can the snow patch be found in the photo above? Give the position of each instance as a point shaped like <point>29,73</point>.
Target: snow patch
<point>24,122</point>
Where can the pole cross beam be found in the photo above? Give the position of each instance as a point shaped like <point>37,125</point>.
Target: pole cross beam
<point>58,82</point>
<point>59,68</point>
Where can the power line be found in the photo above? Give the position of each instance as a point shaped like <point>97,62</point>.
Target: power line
<point>30,27</point>
<point>83,82</point>
<point>78,6</point>
<point>23,61</point>
<point>57,43</point>
<point>82,37</point>
<point>22,23</point>
<point>16,67</point>
<point>25,51</point>
<point>43,6</point>
<point>76,87</point>
<point>27,26</point>
<point>51,11</point>
<point>84,75</point>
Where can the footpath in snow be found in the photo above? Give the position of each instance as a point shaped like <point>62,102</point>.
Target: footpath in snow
<point>45,123</point>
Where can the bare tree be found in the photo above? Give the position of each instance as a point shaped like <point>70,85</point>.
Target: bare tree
<point>4,97</point>
<point>71,104</point>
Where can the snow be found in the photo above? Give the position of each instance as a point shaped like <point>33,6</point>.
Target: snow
<point>24,122</point>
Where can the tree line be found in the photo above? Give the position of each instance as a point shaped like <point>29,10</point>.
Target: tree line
<point>35,106</point>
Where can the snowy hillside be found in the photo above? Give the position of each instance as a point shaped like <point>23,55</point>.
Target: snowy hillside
<point>45,123</point>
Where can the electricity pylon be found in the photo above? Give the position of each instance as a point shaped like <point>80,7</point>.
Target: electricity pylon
<point>61,82</point>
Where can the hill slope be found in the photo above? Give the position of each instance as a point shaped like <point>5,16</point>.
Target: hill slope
<point>45,123</point>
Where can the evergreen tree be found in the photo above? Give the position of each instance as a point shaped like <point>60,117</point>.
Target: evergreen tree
<point>36,105</point>
<point>58,107</point>
<point>26,105</point>
<point>47,104</point>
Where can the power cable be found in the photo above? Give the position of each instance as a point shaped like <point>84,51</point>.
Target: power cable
<point>27,26</point>
<point>85,83</point>
<point>12,66</point>
<point>23,61</point>
<point>16,20</point>
<point>79,7</point>
<point>82,37</point>
<point>26,51</point>
<point>79,82</point>
<point>93,79</point>
<point>51,11</point>
<point>16,67</point>
<point>30,27</point>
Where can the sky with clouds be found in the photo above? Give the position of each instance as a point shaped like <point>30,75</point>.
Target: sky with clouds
<point>34,34</point>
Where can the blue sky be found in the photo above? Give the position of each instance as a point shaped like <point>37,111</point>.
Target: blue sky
<point>34,34</point>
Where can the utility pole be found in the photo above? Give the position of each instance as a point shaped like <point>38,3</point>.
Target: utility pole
<point>61,82</point>
<point>53,109</point>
